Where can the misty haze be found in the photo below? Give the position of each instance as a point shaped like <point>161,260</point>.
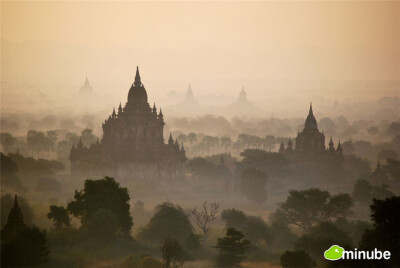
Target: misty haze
<point>199,134</point>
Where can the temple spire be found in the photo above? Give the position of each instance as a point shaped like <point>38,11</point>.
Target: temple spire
<point>119,109</point>
<point>311,111</point>
<point>138,82</point>
<point>15,201</point>
<point>170,140</point>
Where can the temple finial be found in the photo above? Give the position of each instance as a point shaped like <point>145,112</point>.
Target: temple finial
<point>137,78</point>
<point>311,111</point>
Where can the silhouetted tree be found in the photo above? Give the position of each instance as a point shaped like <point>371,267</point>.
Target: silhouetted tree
<point>51,141</point>
<point>320,238</point>
<point>204,217</point>
<point>201,168</point>
<point>28,166</point>
<point>226,142</point>
<point>393,129</point>
<point>102,194</point>
<point>256,230</point>
<point>385,215</point>
<point>308,207</point>
<point>172,252</point>
<point>103,223</point>
<point>364,192</point>
<point>8,173</point>
<point>192,138</point>
<point>373,131</point>
<point>36,141</point>
<point>269,142</point>
<point>88,138</point>
<point>231,248</point>
<point>169,221</point>
<point>60,217</point>
<point>7,142</point>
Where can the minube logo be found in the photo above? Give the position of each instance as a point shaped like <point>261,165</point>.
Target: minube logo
<point>336,252</point>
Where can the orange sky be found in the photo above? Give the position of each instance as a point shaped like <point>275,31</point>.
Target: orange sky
<point>218,43</point>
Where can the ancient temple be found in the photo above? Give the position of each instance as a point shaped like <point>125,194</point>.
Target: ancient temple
<point>15,222</point>
<point>132,145</point>
<point>86,89</point>
<point>190,100</point>
<point>311,141</point>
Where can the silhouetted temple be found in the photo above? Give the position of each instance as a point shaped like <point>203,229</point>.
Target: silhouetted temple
<point>243,97</point>
<point>86,89</point>
<point>15,222</point>
<point>189,98</point>
<point>132,145</point>
<point>311,140</point>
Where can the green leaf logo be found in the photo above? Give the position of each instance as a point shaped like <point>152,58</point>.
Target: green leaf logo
<point>334,253</point>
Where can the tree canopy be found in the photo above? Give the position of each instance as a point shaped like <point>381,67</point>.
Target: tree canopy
<point>232,248</point>
<point>256,230</point>
<point>307,207</point>
<point>169,221</point>
<point>102,194</point>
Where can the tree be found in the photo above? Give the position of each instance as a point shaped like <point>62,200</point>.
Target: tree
<point>201,168</point>
<point>172,253</point>
<point>27,248</point>
<point>88,138</point>
<point>269,142</point>
<point>103,223</point>
<point>245,140</point>
<point>364,192</point>
<point>320,238</point>
<point>393,129</point>
<point>253,184</point>
<point>51,141</point>
<point>8,173</point>
<point>169,221</point>
<point>226,142</point>
<point>60,217</point>
<point>386,233</point>
<point>7,141</point>
<point>256,230</point>
<point>191,138</point>
<point>308,207</point>
<point>182,138</point>
<point>296,259</point>
<point>231,248</point>
<point>205,216</point>
<point>36,141</point>
<point>373,131</point>
<point>102,194</point>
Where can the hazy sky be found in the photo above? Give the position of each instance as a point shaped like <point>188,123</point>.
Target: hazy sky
<point>213,45</point>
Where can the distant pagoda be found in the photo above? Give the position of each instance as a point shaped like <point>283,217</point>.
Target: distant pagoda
<point>86,89</point>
